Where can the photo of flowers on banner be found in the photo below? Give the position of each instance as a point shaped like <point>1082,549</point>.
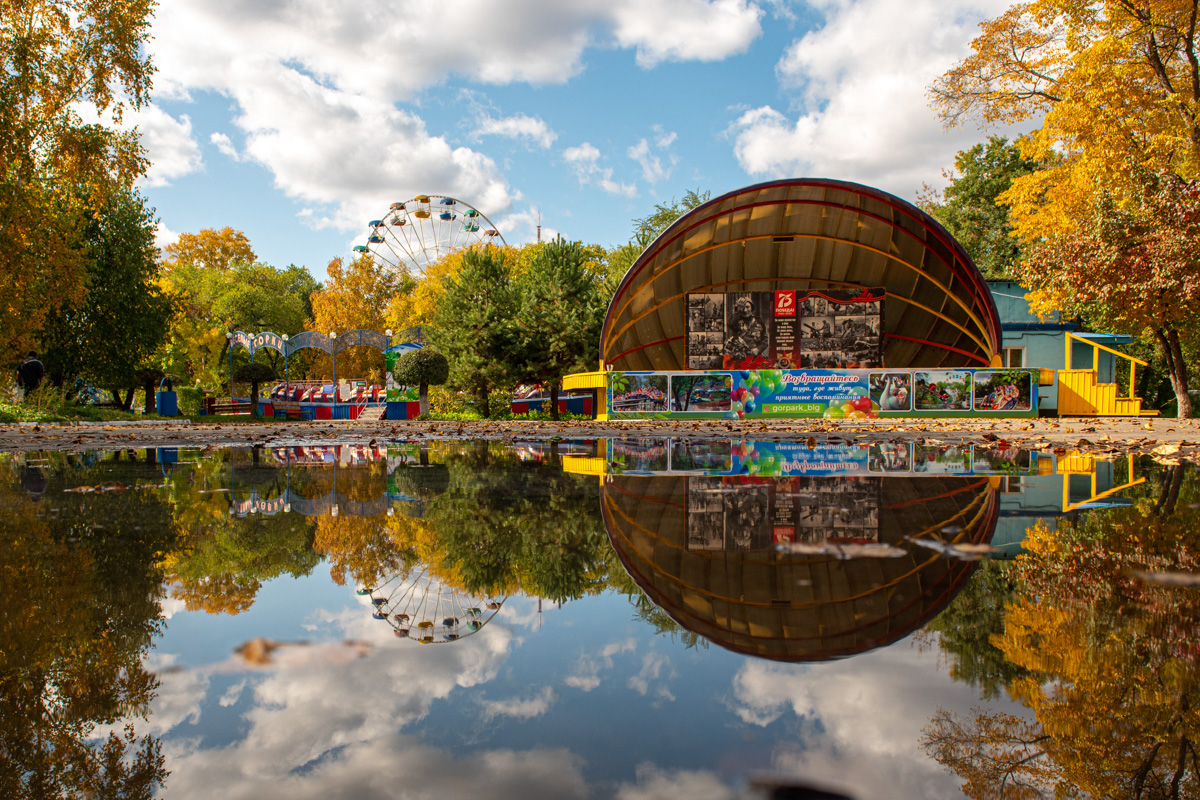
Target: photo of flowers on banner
<point>828,329</point>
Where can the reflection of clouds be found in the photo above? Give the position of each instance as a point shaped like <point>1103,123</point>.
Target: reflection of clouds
<point>866,710</point>
<point>522,612</point>
<point>169,605</point>
<point>654,783</point>
<point>586,673</point>
<point>180,694</point>
<point>389,765</point>
<point>519,708</point>
<point>308,725</point>
<point>232,694</point>
<point>653,665</point>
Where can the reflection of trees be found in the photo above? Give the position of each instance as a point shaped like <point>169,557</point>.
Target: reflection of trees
<point>222,560</point>
<point>80,593</point>
<point>1112,664</point>
<point>505,524</point>
<point>966,628</point>
<point>647,611</point>
<point>361,548</point>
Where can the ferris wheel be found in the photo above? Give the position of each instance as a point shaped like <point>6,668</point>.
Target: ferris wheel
<point>419,232</point>
<point>420,607</point>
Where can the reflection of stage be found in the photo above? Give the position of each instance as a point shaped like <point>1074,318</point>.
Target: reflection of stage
<point>739,591</point>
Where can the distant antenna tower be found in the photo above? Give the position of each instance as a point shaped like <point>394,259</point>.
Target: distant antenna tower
<point>539,229</point>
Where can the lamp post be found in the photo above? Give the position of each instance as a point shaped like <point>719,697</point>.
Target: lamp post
<point>286,382</point>
<point>333,355</point>
<point>229,338</point>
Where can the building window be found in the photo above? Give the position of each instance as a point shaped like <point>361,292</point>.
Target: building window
<point>1014,357</point>
<point>1011,484</point>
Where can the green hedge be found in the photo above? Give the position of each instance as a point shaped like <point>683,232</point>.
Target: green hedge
<point>190,399</point>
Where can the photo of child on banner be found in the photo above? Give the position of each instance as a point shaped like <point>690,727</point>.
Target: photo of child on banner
<point>1004,390</point>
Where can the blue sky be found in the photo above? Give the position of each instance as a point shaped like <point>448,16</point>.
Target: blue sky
<point>297,121</point>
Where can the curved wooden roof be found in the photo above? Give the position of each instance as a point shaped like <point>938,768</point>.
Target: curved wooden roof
<point>800,608</point>
<point>805,234</point>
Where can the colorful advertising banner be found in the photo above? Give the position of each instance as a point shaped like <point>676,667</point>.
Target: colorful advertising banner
<point>747,459</point>
<point>832,394</point>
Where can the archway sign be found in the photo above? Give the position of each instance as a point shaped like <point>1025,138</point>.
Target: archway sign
<point>806,297</point>
<point>311,339</point>
<point>411,339</point>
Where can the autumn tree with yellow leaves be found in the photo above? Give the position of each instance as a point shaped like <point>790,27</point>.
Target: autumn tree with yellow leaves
<point>1106,660</point>
<point>58,59</point>
<point>1110,223</point>
<point>357,295</point>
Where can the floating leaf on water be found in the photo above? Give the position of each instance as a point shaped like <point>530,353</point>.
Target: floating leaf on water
<point>965,552</point>
<point>842,551</point>
<point>1167,578</point>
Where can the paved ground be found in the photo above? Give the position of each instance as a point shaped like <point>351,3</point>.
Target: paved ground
<point>1165,438</point>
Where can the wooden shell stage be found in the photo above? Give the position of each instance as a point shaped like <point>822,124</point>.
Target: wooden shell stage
<point>807,234</point>
<point>761,602</point>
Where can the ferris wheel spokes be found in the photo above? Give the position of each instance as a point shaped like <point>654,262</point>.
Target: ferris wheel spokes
<point>416,233</point>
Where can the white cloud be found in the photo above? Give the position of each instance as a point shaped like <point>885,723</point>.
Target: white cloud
<point>316,83</point>
<point>520,708</point>
<point>652,163</point>
<point>653,666</point>
<point>355,156</point>
<point>521,227</point>
<point>654,783</point>
<point>861,80</point>
<point>586,673</point>
<point>170,147</point>
<point>519,126</point>
<point>870,709</point>
<point>225,145</point>
<point>585,159</point>
<point>686,30</point>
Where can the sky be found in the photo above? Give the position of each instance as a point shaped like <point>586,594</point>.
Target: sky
<point>298,121</point>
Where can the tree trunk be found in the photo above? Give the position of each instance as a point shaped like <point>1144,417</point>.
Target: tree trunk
<point>554,401</point>
<point>481,397</point>
<point>148,406</point>
<point>1168,339</point>
<point>424,398</point>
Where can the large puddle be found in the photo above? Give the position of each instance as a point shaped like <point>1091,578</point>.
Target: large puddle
<point>631,618</point>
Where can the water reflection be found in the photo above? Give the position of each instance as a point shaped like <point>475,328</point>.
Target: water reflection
<point>1056,667</point>
<point>800,551</point>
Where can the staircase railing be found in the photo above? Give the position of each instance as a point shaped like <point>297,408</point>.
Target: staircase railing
<point>1096,348</point>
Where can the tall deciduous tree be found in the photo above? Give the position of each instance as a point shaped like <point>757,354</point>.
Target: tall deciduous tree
<point>57,58</point>
<point>1117,85</point>
<point>220,287</point>
<point>112,333</point>
<point>561,310</point>
<point>473,325</point>
<point>209,249</point>
<point>967,207</point>
<point>356,296</point>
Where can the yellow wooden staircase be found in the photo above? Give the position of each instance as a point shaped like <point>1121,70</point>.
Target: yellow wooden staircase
<point>1080,394</point>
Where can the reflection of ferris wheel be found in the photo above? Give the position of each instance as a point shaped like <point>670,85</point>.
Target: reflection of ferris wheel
<point>419,232</point>
<point>420,607</point>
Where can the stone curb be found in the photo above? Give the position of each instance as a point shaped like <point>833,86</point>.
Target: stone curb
<point>90,424</point>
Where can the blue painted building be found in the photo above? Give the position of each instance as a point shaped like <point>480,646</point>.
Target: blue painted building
<point>1029,341</point>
